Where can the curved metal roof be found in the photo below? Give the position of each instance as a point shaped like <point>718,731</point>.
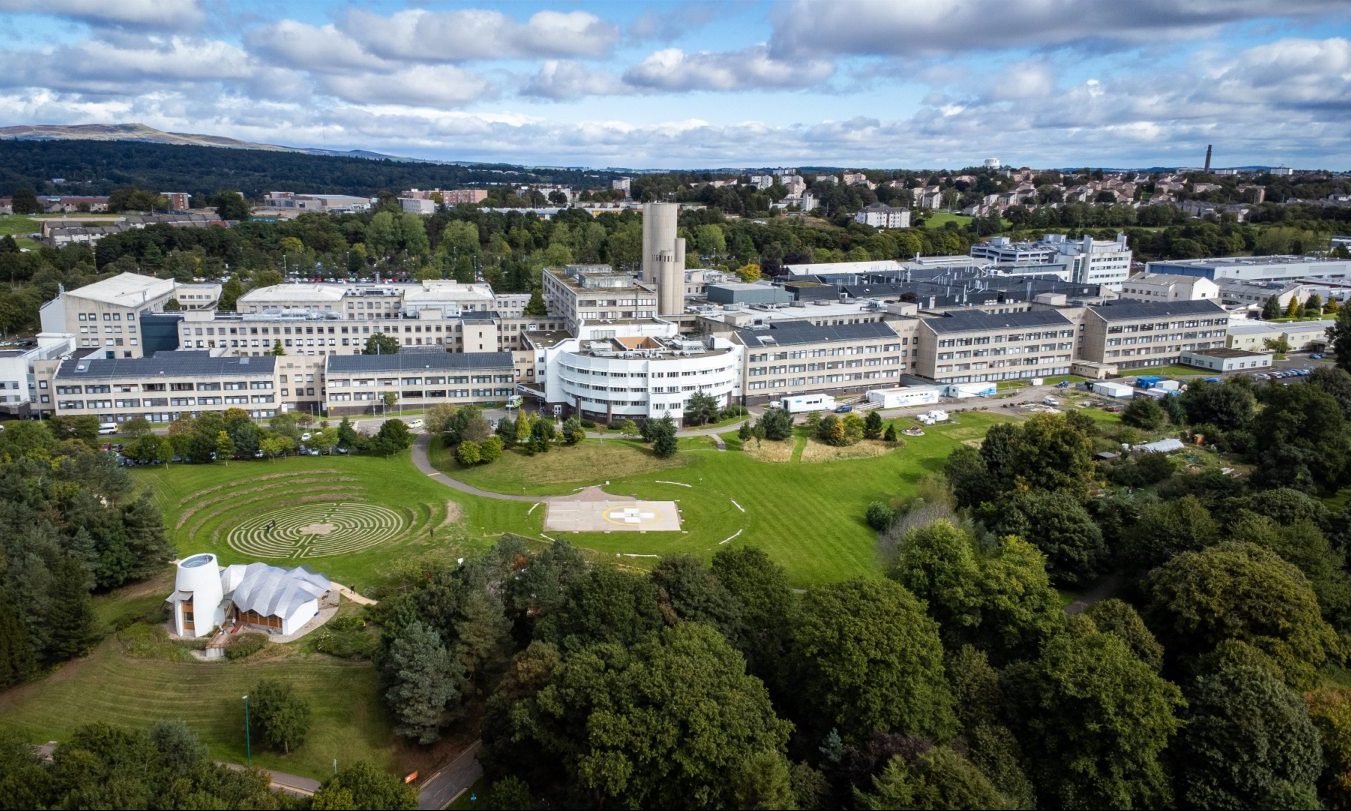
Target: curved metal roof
<point>273,592</point>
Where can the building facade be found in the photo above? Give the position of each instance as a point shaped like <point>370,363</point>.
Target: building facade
<point>162,388</point>
<point>978,347</point>
<point>797,357</point>
<point>105,316</point>
<point>1133,335</point>
<point>358,384</point>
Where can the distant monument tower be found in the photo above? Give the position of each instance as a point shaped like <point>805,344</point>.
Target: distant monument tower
<point>1208,158</point>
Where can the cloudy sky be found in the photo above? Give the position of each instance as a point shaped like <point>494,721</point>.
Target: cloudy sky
<point>879,83</point>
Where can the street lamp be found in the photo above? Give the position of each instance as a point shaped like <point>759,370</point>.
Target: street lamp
<point>248,743</point>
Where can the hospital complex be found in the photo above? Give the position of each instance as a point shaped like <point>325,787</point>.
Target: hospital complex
<point>616,344</point>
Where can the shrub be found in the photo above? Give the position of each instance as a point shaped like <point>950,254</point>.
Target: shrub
<point>245,645</point>
<point>490,450</point>
<point>880,516</point>
<point>468,453</point>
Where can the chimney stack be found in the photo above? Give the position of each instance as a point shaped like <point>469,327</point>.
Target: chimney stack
<point>1208,158</point>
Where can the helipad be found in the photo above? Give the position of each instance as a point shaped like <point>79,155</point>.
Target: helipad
<point>612,516</point>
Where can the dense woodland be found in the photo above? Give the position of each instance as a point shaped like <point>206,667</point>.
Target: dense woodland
<point>1210,678</point>
<point>99,167</point>
<point>71,525</point>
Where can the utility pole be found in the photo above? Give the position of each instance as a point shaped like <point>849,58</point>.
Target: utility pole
<point>248,743</point>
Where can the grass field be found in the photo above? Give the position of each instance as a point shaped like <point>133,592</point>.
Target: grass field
<point>807,515</point>
<point>938,219</point>
<point>19,227</point>
<point>224,509</point>
<point>113,687</point>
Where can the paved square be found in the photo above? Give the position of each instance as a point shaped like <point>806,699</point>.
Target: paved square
<point>612,516</point>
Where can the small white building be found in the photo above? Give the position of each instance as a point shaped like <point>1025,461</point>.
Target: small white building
<point>1227,360</point>
<point>1167,287</point>
<point>277,600</point>
<point>1114,390</point>
<point>906,396</point>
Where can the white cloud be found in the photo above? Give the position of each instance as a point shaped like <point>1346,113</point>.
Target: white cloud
<point>420,85</point>
<point>161,15</point>
<point>907,27</point>
<point>562,80</point>
<point>452,36</point>
<point>1023,80</point>
<point>672,69</point>
<point>322,49</point>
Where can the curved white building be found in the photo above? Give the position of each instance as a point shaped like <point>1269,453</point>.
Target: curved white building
<point>198,599</point>
<point>646,376</point>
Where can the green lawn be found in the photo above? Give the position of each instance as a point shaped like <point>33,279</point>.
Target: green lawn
<point>1169,371</point>
<point>807,515</point>
<point>19,227</point>
<point>113,687</point>
<point>937,219</point>
<point>204,504</point>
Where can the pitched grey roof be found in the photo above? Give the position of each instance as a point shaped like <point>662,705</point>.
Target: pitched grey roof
<point>982,322</point>
<point>165,364</point>
<point>1131,311</point>
<point>274,592</point>
<point>415,361</point>
<point>804,332</point>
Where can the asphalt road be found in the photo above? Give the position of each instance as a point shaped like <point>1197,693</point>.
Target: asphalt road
<point>442,788</point>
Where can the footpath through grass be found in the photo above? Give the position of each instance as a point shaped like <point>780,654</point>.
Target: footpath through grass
<point>808,516</point>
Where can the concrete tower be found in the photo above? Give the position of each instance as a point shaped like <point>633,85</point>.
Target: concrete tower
<point>664,256</point>
<point>1208,146</point>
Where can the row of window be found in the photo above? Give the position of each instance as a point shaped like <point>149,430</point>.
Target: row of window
<point>798,354</point>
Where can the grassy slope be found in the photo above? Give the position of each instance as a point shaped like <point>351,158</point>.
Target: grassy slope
<point>807,516</point>
<point>112,687</point>
<point>202,502</point>
<point>19,227</point>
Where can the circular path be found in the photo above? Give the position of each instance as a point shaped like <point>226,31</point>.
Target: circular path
<point>316,530</point>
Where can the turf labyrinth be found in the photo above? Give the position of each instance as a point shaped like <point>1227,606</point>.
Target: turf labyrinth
<point>316,530</point>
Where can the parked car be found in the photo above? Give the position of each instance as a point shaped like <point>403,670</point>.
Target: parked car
<point>1050,401</point>
<point>1316,356</point>
<point>844,409</point>
<point>1064,384</point>
<point>416,425</point>
<point>305,437</point>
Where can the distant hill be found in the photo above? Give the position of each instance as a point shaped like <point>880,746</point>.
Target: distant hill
<point>104,158</point>
<point>142,134</point>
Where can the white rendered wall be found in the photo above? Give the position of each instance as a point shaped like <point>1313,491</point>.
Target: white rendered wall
<point>203,583</point>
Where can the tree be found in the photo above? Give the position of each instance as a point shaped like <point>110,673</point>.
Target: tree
<point>763,780</point>
<point>425,680</point>
<point>1292,310</point>
<point>83,429</point>
<point>1301,439</point>
<point>1055,523</point>
<point>678,714</point>
<point>347,435</point>
<point>1330,711</point>
<point>1248,741</point>
<point>136,427</point>
<point>467,453</point>
<point>662,434</point>
<point>1094,720</point>
<point>363,786</point>
<point>1228,406</point>
<point>776,423</point>
<point>1113,616</point>
<point>628,428</point>
<point>749,272</point>
<point>274,446</point>
<point>768,607</point>
<point>1339,336</point>
<point>490,449</point>
<point>573,432</point>
<point>225,447</point>
<point>277,349</point>
<point>1271,309</point>
<point>870,660</point>
<point>1239,591</point>
<point>25,201</point>
<point>230,205</point>
<point>1144,413</point>
<point>701,408</point>
<point>604,606</point>
<point>392,437</point>
<point>279,717</point>
<point>890,435</point>
<point>536,306</point>
<point>1331,380</point>
<point>936,778</point>
<point>689,592</point>
<point>382,344</point>
<point>872,426</point>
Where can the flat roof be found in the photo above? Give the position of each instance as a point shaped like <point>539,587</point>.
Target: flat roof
<point>416,361</point>
<point>1228,353</point>
<point>804,332</point>
<point>1133,311</point>
<point>295,292</point>
<point>165,364</point>
<point>1231,261</point>
<point>125,289</point>
<point>983,322</point>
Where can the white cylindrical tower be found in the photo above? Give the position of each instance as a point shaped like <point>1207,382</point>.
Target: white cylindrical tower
<point>198,596</point>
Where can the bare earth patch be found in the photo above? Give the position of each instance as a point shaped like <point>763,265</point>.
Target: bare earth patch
<point>866,449</point>
<point>316,529</point>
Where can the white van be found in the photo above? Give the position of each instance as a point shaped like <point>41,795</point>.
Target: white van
<point>107,428</point>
